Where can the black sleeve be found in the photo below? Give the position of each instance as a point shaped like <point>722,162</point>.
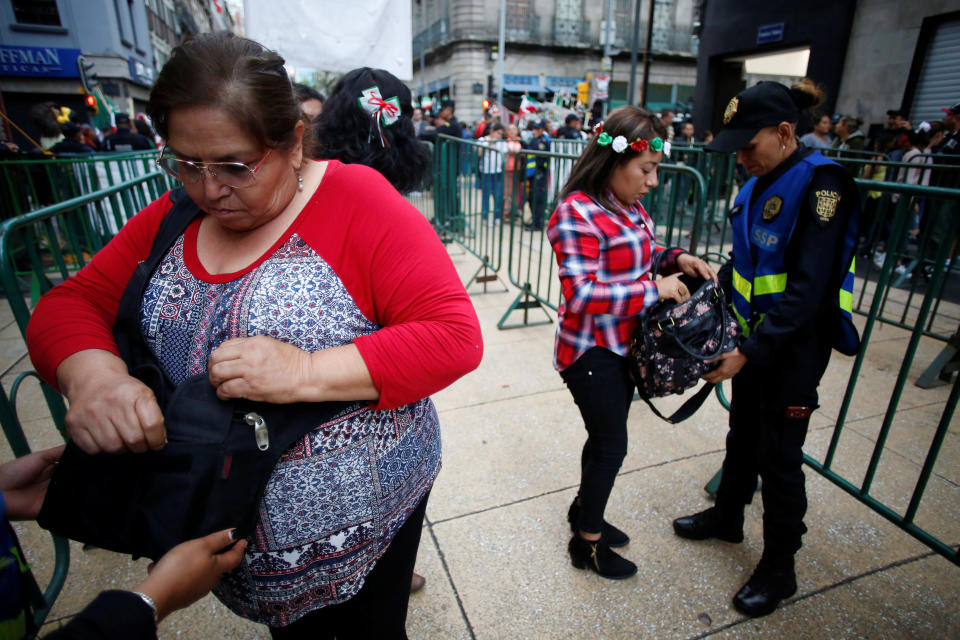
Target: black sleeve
<point>725,279</point>
<point>113,615</point>
<point>811,264</point>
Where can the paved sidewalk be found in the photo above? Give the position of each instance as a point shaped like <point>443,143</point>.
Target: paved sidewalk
<point>494,545</point>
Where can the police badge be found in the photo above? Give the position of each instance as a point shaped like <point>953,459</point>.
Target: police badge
<point>827,200</point>
<point>731,110</point>
<point>772,207</point>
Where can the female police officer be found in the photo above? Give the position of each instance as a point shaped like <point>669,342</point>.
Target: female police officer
<point>794,226</point>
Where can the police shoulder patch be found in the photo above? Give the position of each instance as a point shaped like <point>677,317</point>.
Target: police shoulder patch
<point>826,206</point>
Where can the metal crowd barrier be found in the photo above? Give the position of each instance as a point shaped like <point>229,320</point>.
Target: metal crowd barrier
<point>688,207</point>
<point>36,248</point>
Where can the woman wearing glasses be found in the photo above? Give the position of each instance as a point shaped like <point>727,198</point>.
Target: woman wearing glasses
<point>299,280</point>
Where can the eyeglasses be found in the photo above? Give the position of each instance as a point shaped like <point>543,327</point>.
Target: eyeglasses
<point>235,175</point>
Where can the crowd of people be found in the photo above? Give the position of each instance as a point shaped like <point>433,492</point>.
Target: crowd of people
<point>289,270</point>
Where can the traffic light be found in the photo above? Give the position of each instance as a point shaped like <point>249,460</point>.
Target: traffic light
<point>486,104</point>
<point>86,77</point>
<point>583,92</point>
<point>91,101</point>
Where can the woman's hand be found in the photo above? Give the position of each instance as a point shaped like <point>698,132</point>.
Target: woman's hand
<point>110,411</point>
<point>696,267</point>
<point>24,482</point>
<point>190,570</point>
<point>672,288</point>
<point>260,368</point>
<point>730,364</point>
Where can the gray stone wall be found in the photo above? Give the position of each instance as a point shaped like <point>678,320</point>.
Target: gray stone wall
<point>879,54</point>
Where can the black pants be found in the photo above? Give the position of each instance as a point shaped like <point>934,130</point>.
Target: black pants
<point>379,610</point>
<point>601,386</point>
<point>764,442</point>
<point>538,198</point>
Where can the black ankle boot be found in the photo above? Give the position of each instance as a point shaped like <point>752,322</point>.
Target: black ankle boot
<point>598,557</point>
<point>710,524</point>
<point>613,536</point>
<point>773,580</point>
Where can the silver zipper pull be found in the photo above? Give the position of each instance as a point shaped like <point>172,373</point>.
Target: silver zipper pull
<point>259,429</point>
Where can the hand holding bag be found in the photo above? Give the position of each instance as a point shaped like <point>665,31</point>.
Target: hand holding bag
<point>673,342</point>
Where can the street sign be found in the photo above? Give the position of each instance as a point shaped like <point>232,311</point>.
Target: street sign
<point>770,33</point>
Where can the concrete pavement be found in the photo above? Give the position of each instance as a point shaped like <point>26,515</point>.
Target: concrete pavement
<point>494,545</point>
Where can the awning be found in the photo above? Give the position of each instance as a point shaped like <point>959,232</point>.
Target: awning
<point>532,89</point>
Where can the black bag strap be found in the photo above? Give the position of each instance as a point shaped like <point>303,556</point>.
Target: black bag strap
<point>126,328</point>
<point>719,301</point>
<point>688,408</point>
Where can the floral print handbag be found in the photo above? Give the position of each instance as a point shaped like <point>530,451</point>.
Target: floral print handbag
<point>672,343</point>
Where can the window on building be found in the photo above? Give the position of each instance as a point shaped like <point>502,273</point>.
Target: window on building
<point>37,12</point>
<point>520,19</point>
<point>133,23</point>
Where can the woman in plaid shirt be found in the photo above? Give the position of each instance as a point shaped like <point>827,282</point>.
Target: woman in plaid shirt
<point>605,247</point>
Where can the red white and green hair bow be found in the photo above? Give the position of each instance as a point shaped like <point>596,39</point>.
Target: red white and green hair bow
<point>620,144</point>
<point>384,112</point>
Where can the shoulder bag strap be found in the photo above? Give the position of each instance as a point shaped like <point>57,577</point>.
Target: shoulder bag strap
<point>688,408</point>
<point>126,329</point>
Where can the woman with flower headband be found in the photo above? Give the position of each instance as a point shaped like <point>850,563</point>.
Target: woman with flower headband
<point>294,280</point>
<point>605,247</point>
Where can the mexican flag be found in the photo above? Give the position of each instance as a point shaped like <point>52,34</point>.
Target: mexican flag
<point>528,105</point>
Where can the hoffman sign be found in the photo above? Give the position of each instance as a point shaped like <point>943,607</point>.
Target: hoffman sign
<point>48,62</point>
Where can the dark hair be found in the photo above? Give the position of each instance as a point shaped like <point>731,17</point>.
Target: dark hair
<point>143,129</point>
<point>496,126</point>
<point>852,123</point>
<point>592,172</point>
<point>239,76</point>
<point>346,132</point>
<point>304,93</point>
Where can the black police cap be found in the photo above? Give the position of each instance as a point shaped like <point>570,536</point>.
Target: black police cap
<point>763,105</point>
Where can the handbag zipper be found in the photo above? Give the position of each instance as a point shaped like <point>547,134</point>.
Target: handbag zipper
<point>260,431</point>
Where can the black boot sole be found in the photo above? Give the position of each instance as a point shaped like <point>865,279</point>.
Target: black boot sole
<point>683,533</point>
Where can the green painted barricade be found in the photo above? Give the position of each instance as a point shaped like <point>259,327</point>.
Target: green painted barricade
<point>945,204</point>
<point>37,249</point>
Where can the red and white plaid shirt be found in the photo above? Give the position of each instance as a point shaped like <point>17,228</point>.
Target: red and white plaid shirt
<point>604,260</point>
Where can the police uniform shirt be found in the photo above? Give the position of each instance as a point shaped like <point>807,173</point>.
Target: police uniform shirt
<point>790,349</point>
<point>540,144</point>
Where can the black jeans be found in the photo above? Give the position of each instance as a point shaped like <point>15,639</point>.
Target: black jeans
<point>379,610</point>
<point>601,386</point>
<point>764,442</point>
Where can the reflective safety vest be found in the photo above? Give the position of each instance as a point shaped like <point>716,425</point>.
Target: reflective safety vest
<point>760,237</point>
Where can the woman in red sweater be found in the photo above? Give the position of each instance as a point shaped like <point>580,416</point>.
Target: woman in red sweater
<point>300,280</point>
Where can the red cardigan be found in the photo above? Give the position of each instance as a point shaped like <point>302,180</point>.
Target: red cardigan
<point>381,247</point>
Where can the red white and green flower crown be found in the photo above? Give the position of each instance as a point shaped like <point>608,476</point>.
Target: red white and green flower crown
<point>619,144</point>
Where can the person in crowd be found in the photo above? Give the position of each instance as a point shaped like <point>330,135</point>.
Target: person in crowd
<point>418,121</point>
<point>513,184</point>
<point>44,117</point>
<point>491,173</point>
<point>605,248</point>
<point>448,123</point>
<point>311,101</point>
<point>790,281</point>
<point>353,134</point>
<point>143,128</point>
<point>571,128</point>
<point>950,144</point>
<point>537,174</point>
<point>707,136</point>
<point>125,139</point>
<point>73,141</point>
<point>687,132</point>
<point>819,138</point>
<point>666,117</point>
<point>298,281</point>
<point>848,135</point>
<point>181,577</point>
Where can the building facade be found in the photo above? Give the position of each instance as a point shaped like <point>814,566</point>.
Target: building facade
<point>868,55</point>
<point>123,43</point>
<point>551,45</point>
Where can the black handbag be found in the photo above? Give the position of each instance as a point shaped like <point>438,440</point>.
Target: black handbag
<point>673,342</point>
<point>214,468</point>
